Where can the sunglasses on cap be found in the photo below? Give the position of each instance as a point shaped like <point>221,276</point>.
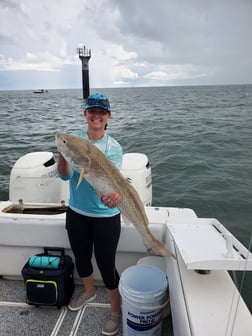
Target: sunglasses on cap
<point>94,111</point>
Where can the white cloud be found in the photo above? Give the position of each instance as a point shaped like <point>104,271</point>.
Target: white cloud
<point>121,83</point>
<point>164,76</point>
<point>143,65</point>
<point>36,62</point>
<point>176,71</point>
<point>126,73</point>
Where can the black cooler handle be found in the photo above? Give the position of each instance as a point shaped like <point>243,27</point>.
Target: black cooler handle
<point>61,250</point>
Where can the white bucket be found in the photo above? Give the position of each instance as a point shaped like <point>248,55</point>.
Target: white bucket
<point>159,262</point>
<point>143,291</point>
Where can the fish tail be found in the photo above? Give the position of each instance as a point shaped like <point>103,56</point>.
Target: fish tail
<point>156,247</point>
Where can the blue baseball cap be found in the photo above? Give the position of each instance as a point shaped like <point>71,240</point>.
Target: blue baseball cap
<point>98,100</point>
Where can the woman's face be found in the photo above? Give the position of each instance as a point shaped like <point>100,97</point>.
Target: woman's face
<point>97,118</point>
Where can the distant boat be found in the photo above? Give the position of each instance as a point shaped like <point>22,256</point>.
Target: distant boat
<point>40,91</point>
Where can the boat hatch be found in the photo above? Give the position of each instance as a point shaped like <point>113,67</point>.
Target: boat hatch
<point>35,209</point>
<point>206,244</point>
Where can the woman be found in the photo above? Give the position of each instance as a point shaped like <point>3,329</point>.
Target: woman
<point>92,220</point>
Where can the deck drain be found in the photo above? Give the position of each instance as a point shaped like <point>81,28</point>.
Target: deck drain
<point>24,312</point>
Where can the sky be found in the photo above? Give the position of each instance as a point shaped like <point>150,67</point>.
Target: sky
<point>133,43</point>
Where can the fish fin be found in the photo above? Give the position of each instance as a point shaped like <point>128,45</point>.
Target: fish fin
<point>126,221</point>
<point>80,178</point>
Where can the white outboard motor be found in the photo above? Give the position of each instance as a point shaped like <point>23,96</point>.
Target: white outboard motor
<point>34,179</point>
<point>137,171</point>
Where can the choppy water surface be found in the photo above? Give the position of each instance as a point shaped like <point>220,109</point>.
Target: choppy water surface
<point>198,140</point>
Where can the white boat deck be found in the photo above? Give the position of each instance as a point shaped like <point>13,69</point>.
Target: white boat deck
<point>19,319</point>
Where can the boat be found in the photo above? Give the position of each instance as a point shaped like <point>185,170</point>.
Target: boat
<point>41,91</point>
<point>203,295</point>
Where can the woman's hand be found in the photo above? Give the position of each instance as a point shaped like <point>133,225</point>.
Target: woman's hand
<point>111,200</point>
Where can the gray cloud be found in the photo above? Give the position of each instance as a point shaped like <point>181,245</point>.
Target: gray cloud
<point>182,31</point>
<point>143,42</point>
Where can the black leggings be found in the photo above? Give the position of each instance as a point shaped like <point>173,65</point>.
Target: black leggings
<point>102,234</point>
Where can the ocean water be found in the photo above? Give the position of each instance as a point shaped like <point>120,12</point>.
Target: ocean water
<point>198,141</point>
